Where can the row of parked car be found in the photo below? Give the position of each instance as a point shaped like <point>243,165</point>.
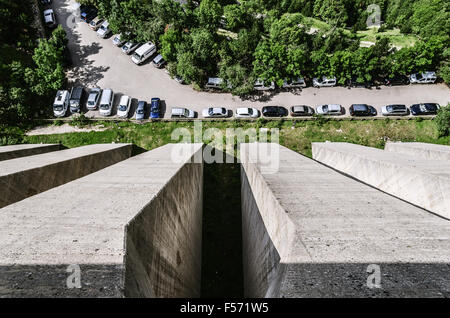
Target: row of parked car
<point>103,100</point>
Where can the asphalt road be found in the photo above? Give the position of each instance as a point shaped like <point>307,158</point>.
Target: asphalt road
<point>98,63</point>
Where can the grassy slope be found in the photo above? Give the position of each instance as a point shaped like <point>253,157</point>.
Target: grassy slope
<point>294,135</point>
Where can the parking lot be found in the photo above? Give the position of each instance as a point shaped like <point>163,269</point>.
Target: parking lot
<point>98,63</point>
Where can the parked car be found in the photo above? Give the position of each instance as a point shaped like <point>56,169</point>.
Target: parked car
<point>294,83</point>
<point>61,103</point>
<point>394,110</point>
<point>155,108</point>
<point>246,112</point>
<point>353,82</point>
<point>424,109</point>
<point>274,111</point>
<point>396,80</point>
<point>330,109</point>
<point>95,23</point>
<point>324,81</point>
<point>117,41</point>
<point>214,82</point>
<point>106,102</point>
<point>301,110</point>
<point>50,18</point>
<point>140,110</point>
<point>215,112</point>
<point>76,95</point>
<point>423,78</point>
<point>129,47</point>
<point>362,110</point>
<point>124,106</point>
<point>104,31</point>
<point>179,80</point>
<point>262,86</point>
<point>93,98</point>
<point>159,61</point>
<point>143,53</point>
<point>87,13</point>
<point>181,112</point>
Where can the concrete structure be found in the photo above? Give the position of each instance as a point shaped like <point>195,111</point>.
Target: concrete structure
<point>23,177</point>
<point>134,229</point>
<point>425,183</point>
<point>420,150</point>
<point>18,151</point>
<point>309,231</point>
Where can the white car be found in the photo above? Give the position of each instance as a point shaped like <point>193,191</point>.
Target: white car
<point>423,78</point>
<point>245,112</point>
<point>124,106</point>
<point>104,30</point>
<point>261,86</point>
<point>49,18</point>
<point>394,110</point>
<point>129,47</point>
<point>294,83</point>
<point>117,41</point>
<point>215,112</point>
<point>181,112</point>
<point>329,109</point>
<point>324,81</point>
<point>61,103</point>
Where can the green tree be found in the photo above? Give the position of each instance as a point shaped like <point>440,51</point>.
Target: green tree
<point>443,121</point>
<point>209,14</point>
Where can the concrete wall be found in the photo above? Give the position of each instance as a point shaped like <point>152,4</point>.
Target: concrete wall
<point>420,150</point>
<point>422,182</point>
<point>134,228</point>
<point>309,231</point>
<point>18,151</point>
<point>24,177</point>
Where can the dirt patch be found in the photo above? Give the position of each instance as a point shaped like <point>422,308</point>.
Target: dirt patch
<point>63,129</point>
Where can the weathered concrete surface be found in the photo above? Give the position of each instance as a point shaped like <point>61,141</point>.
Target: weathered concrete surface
<point>18,151</point>
<point>309,231</point>
<point>420,149</point>
<point>23,177</point>
<point>423,182</point>
<point>133,228</point>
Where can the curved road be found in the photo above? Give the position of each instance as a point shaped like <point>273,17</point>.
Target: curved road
<point>97,62</point>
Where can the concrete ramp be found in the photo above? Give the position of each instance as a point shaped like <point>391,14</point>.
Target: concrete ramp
<point>420,150</point>
<point>18,151</point>
<point>309,231</point>
<point>422,182</point>
<point>24,177</point>
<point>131,229</point>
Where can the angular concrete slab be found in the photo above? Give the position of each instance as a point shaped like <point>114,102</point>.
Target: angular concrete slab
<point>23,177</point>
<point>420,149</point>
<point>310,231</point>
<point>18,151</point>
<point>134,229</point>
<point>422,182</point>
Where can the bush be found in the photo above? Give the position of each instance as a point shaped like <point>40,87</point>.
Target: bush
<point>443,121</point>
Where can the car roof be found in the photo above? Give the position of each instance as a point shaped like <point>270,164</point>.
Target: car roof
<point>300,108</point>
<point>215,80</point>
<point>360,107</point>
<point>243,110</point>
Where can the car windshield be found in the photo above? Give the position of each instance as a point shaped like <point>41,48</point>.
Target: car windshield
<point>431,107</point>
<point>137,56</point>
<point>140,111</point>
<point>325,108</point>
<point>419,76</point>
<point>57,107</point>
<point>155,110</point>
<point>104,106</point>
<point>123,107</point>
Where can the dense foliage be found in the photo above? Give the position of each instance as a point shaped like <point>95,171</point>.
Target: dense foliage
<point>30,73</point>
<point>443,121</point>
<point>273,40</point>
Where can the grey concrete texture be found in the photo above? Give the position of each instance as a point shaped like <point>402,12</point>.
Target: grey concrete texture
<point>134,228</point>
<point>420,150</point>
<point>423,182</point>
<point>18,151</point>
<point>27,176</point>
<point>310,231</point>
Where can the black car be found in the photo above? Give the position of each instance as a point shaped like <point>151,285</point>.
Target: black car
<point>88,13</point>
<point>301,110</point>
<point>355,83</point>
<point>274,111</point>
<point>76,95</point>
<point>44,2</point>
<point>362,110</point>
<point>396,80</point>
<point>424,109</point>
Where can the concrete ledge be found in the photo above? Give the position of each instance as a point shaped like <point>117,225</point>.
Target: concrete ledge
<point>309,231</point>
<point>419,149</point>
<point>24,177</point>
<point>422,182</point>
<point>134,229</point>
<point>18,151</point>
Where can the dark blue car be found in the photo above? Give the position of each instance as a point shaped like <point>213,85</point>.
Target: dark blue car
<point>154,108</point>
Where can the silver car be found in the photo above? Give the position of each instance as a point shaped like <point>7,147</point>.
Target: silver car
<point>394,110</point>
<point>215,112</point>
<point>129,47</point>
<point>93,98</point>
